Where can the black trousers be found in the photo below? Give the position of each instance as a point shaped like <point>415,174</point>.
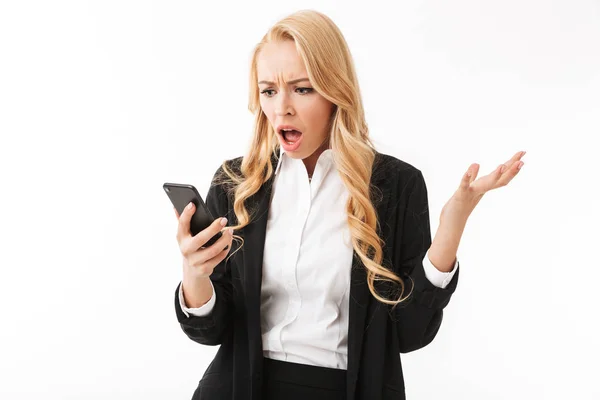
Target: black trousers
<point>292,381</point>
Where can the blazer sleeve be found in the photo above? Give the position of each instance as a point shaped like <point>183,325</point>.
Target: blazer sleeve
<point>212,328</point>
<point>419,318</point>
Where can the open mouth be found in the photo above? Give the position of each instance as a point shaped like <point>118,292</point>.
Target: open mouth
<point>290,136</point>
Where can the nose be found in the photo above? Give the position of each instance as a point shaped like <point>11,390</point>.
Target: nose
<point>283,104</point>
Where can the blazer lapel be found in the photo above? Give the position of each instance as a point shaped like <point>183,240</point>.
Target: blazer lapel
<point>359,304</point>
<point>360,296</point>
<point>252,255</point>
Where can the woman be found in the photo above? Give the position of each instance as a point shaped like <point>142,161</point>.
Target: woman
<point>334,272</point>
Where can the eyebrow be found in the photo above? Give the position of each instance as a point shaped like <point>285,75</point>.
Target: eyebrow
<point>289,83</point>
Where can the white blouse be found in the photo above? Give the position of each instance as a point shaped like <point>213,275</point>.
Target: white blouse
<point>306,267</point>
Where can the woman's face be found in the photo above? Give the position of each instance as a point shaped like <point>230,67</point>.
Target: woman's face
<point>288,98</point>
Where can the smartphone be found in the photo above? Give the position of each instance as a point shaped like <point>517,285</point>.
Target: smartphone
<point>181,195</point>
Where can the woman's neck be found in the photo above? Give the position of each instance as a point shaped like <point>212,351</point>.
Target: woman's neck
<point>310,162</point>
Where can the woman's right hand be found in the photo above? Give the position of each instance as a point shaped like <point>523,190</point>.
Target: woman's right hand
<point>199,263</point>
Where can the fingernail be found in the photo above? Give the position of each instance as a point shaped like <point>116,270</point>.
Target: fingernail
<point>520,165</point>
<point>223,221</point>
<point>230,231</point>
<point>189,206</point>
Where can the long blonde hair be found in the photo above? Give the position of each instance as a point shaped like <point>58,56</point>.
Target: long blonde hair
<point>331,71</point>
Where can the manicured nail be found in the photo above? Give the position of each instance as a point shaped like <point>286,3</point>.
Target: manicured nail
<point>223,221</point>
<point>520,165</point>
<point>189,206</point>
<point>230,231</point>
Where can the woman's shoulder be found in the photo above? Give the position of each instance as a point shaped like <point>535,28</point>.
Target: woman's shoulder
<point>399,179</point>
<point>223,178</point>
<point>233,164</point>
<point>389,168</point>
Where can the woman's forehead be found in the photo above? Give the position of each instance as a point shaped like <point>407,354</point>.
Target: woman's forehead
<point>280,62</point>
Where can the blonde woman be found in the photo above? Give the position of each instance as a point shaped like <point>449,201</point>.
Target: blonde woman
<point>333,273</point>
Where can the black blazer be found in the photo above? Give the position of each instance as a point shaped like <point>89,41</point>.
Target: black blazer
<point>376,334</point>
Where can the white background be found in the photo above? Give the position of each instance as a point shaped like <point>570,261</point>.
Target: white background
<point>101,102</point>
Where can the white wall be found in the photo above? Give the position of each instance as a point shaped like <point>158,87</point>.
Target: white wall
<point>103,101</point>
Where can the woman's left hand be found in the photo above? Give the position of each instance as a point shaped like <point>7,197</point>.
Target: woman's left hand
<point>470,191</point>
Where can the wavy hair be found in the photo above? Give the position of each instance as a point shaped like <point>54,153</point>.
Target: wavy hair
<point>330,68</point>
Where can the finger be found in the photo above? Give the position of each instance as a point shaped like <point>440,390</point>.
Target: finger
<point>205,235</point>
<point>508,165</point>
<point>183,229</point>
<point>518,155</point>
<point>509,173</point>
<point>200,256</point>
<point>465,182</point>
<point>469,176</point>
<point>493,180</point>
<point>216,260</point>
<point>221,256</point>
<point>474,170</point>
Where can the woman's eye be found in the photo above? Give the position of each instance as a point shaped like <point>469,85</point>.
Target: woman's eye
<point>265,92</point>
<point>307,90</point>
